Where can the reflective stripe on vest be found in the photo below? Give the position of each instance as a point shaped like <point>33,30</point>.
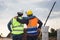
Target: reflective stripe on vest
<point>32,26</point>
<point>17,28</point>
<point>32,30</point>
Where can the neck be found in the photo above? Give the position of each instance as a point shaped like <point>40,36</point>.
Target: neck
<point>30,15</point>
<point>19,16</point>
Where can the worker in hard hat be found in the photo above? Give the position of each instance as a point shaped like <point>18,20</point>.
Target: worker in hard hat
<point>32,29</point>
<point>16,28</point>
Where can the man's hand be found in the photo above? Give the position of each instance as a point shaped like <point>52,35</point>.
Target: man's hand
<point>39,30</point>
<point>24,35</point>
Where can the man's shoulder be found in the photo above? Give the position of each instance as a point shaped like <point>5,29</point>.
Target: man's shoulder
<point>31,17</point>
<point>25,18</point>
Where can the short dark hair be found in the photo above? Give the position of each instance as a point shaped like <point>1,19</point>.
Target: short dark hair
<point>19,13</point>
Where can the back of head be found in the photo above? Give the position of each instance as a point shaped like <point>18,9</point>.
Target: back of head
<point>20,13</point>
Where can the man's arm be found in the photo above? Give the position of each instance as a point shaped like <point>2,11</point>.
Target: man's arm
<point>40,24</point>
<point>23,20</point>
<point>39,27</point>
<point>9,25</point>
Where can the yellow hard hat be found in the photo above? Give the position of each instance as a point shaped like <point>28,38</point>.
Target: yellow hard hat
<point>29,12</point>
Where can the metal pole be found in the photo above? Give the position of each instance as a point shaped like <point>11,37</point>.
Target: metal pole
<point>48,16</point>
<point>49,13</point>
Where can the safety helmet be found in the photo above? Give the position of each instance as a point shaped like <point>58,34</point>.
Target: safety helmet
<point>20,13</point>
<point>29,12</point>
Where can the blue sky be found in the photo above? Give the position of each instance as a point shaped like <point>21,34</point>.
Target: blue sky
<point>40,8</point>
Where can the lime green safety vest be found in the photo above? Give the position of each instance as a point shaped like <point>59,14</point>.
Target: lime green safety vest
<point>17,28</point>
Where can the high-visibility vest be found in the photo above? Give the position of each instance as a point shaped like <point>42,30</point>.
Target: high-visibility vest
<point>17,27</point>
<point>32,26</point>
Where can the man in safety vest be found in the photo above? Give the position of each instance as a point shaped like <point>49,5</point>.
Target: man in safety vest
<point>32,29</point>
<point>16,28</point>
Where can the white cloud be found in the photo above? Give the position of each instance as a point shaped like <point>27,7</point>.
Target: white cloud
<point>55,15</point>
<point>29,1</point>
<point>54,23</point>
